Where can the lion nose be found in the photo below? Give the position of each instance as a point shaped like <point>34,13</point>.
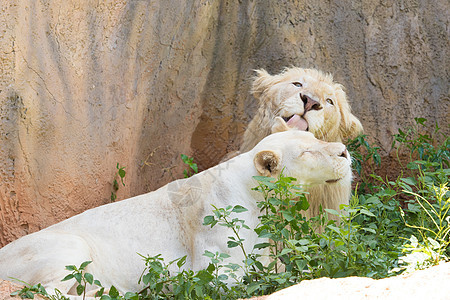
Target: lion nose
<point>310,103</point>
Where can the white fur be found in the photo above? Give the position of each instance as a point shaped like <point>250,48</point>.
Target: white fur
<point>168,221</point>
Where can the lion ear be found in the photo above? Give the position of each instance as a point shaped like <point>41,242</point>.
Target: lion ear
<point>279,125</point>
<point>268,163</point>
<point>350,125</point>
<point>261,82</point>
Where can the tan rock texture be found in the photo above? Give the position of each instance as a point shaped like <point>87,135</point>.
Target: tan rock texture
<point>85,85</point>
<point>7,287</point>
<point>423,284</point>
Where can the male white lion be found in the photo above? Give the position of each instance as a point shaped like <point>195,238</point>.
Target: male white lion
<point>307,100</point>
<point>169,221</point>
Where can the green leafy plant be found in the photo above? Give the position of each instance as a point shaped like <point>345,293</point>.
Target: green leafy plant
<point>120,173</point>
<point>192,167</point>
<point>419,256</point>
<point>82,278</point>
<point>29,291</point>
<point>363,153</point>
<point>422,145</point>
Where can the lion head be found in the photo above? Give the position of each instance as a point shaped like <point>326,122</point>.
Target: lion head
<point>300,155</point>
<point>303,99</point>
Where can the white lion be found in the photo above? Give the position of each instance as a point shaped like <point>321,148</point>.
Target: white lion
<point>169,221</point>
<point>307,100</point>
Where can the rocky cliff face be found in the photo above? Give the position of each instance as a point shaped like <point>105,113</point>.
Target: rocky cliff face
<point>86,86</point>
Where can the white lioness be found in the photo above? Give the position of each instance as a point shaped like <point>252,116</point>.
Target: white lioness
<point>307,100</point>
<point>169,221</point>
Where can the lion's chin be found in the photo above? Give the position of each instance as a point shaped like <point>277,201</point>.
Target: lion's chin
<point>296,121</point>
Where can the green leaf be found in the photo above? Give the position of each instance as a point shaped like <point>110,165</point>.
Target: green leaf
<point>367,213</point>
<point>304,204</point>
<point>199,291</point>
<point>78,277</point>
<point>84,264</point>
<point>263,178</point>
<point>274,201</point>
<point>71,268</point>
<point>215,261</point>
<point>301,249</point>
<point>232,244</point>
<point>113,292</point>
<point>264,235</point>
<point>285,251</point>
<point>131,296</point>
<point>301,264</point>
<point>369,230</point>
<point>80,289</point>
<point>285,233</point>
<point>287,215</point>
<point>208,254</point>
<point>211,268</point>
<point>68,277</point>
<point>122,173</point>
<point>252,287</point>
<point>204,277</point>
<point>97,283</point>
<point>409,180</point>
<point>181,261</point>
<point>304,242</point>
<point>222,277</point>
<point>239,209</point>
<point>208,220</point>
<point>156,266</point>
<point>420,121</point>
<point>334,228</point>
<point>261,245</point>
<point>89,278</point>
<point>332,211</point>
<point>146,278</point>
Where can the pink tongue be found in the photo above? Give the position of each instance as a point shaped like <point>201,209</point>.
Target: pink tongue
<point>298,122</point>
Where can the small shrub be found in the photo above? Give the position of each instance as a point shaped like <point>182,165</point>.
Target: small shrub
<point>120,173</point>
<point>192,167</point>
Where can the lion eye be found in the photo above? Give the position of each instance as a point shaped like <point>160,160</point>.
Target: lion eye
<point>297,84</point>
<point>330,101</point>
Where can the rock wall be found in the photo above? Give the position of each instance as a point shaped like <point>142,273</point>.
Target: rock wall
<point>86,85</point>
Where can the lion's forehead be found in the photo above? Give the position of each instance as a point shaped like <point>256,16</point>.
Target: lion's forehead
<point>287,138</point>
<point>309,75</point>
<point>315,87</point>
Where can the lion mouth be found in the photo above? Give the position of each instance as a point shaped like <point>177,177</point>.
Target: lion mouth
<point>296,121</point>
